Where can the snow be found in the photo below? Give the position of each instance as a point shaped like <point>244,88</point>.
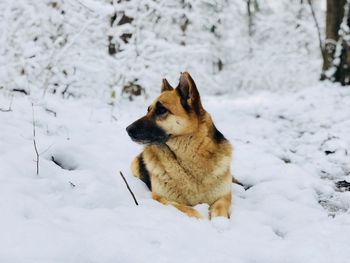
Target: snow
<point>290,133</point>
<point>84,213</point>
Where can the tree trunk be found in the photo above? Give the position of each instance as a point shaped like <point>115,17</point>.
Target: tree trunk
<point>335,14</point>
<point>334,17</point>
<point>336,62</point>
<point>342,73</point>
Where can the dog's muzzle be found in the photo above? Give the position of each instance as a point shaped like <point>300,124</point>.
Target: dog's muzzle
<point>146,131</point>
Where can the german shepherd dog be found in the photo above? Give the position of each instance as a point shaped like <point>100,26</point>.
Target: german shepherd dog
<point>186,160</point>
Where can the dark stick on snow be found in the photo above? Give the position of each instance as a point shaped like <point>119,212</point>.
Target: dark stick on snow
<point>127,185</point>
<point>34,142</point>
<point>21,91</point>
<point>51,111</point>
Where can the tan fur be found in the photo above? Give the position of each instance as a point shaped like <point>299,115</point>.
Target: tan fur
<point>135,166</point>
<point>179,122</point>
<point>221,207</point>
<point>191,167</point>
<point>191,212</point>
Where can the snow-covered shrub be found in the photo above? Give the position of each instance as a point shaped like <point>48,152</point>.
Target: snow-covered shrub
<point>96,48</point>
<point>282,52</point>
<point>54,46</point>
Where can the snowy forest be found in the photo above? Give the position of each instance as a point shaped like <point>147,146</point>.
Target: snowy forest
<point>275,78</point>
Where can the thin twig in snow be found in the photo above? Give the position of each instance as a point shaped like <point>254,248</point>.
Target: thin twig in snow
<point>250,18</point>
<point>127,185</point>
<point>51,111</point>
<point>34,142</point>
<point>21,91</point>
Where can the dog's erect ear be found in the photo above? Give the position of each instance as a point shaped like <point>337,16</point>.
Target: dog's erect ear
<point>165,86</point>
<point>189,94</point>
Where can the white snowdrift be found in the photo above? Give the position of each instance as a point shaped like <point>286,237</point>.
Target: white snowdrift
<point>84,213</point>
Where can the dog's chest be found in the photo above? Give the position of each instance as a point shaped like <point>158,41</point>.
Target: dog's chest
<point>191,180</point>
<point>204,190</point>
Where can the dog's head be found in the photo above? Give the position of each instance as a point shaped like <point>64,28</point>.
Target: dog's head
<point>174,113</point>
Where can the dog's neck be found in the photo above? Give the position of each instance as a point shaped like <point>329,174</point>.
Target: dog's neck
<point>190,147</point>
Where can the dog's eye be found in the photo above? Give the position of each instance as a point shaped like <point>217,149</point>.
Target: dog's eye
<point>160,110</point>
<point>149,108</point>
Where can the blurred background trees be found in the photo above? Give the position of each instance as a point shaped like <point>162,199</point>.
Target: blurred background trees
<point>125,47</point>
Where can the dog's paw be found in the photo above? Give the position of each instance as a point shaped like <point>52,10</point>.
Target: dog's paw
<point>221,223</point>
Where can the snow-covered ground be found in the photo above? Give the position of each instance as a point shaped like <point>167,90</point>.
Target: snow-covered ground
<point>290,148</point>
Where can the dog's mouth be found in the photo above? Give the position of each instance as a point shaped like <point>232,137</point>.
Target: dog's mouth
<point>146,132</point>
<point>149,140</point>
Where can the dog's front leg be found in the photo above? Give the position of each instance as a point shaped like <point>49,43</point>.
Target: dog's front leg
<point>221,207</point>
<point>188,210</point>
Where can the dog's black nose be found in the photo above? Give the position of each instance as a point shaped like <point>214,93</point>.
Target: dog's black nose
<point>133,131</point>
<point>129,130</point>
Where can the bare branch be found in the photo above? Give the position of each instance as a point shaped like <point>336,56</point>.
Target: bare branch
<point>250,18</point>
<point>318,29</point>
<point>34,143</point>
<point>21,91</point>
<point>51,111</point>
<point>127,185</point>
